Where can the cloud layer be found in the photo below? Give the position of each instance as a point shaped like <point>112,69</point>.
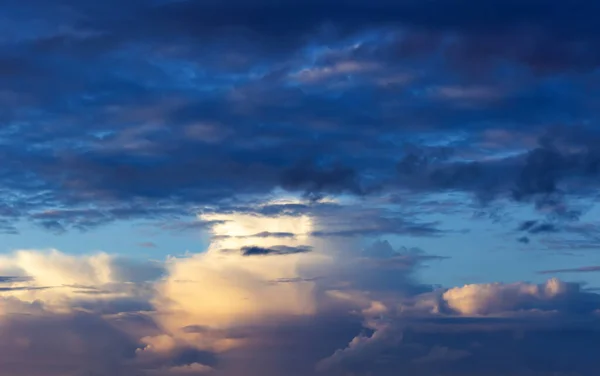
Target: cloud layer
<point>339,309</point>
<point>197,103</point>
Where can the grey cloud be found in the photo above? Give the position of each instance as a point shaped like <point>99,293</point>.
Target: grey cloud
<point>82,337</point>
<point>484,34</point>
<point>582,269</point>
<point>275,250</point>
<point>190,225</point>
<point>315,181</point>
<point>476,352</point>
<point>267,234</point>
<point>8,279</point>
<point>264,234</point>
<point>296,280</point>
<point>496,321</point>
<point>24,288</point>
<point>251,134</point>
<point>534,227</point>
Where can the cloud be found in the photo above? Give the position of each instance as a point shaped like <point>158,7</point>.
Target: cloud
<point>98,283</point>
<point>30,334</point>
<point>425,330</point>
<point>264,234</point>
<point>245,280</point>
<point>294,23</point>
<point>405,324</point>
<point>333,310</point>
<point>582,269</point>
<point>296,102</point>
<point>500,298</point>
<point>82,302</point>
<point>533,227</point>
<point>173,315</point>
<point>314,180</point>
<point>277,250</point>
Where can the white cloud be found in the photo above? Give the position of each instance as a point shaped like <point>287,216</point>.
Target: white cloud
<point>497,298</point>
<point>64,282</point>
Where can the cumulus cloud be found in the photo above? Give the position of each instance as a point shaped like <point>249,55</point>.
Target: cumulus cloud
<point>340,308</point>
<point>181,315</point>
<point>376,285</point>
<point>62,282</point>
<point>490,299</point>
<point>469,313</point>
<point>81,302</point>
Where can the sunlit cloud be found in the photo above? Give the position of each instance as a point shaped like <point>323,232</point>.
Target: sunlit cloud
<point>265,298</point>
<point>64,282</point>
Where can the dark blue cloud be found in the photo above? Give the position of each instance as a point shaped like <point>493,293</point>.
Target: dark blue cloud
<point>149,109</point>
<point>275,250</point>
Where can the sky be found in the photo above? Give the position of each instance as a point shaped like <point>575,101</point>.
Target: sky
<point>299,188</point>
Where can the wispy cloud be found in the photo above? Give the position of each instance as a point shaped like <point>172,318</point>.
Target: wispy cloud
<point>581,269</point>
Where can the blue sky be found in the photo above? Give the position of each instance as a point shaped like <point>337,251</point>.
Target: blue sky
<point>299,187</point>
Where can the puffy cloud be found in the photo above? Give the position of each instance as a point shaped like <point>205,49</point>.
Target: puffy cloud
<point>215,311</point>
<point>469,313</point>
<point>376,285</point>
<point>498,298</point>
<point>200,312</point>
<point>90,305</point>
<point>206,296</point>
<point>178,314</point>
<point>99,282</point>
<point>338,309</point>
<point>248,283</point>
